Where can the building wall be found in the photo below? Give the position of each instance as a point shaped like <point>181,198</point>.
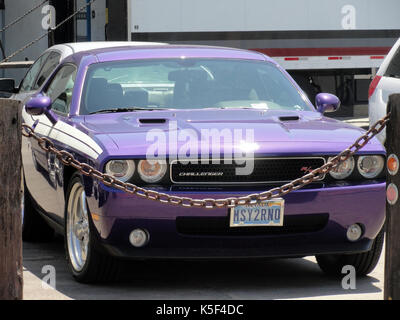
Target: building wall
<point>22,33</point>
<point>31,27</point>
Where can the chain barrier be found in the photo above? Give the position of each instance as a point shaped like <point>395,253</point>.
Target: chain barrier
<point>69,160</point>
<point>45,34</point>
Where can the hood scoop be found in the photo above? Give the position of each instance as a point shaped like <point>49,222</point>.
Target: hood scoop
<point>150,121</point>
<point>289,118</point>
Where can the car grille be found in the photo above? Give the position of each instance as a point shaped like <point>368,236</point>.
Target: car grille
<point>268,170</point>
<point>219,226</point>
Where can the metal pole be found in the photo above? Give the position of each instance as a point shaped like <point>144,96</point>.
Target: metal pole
<point>88,22</point>
<point>3,35</point>
<point>392,258</point>
<point>51,38</point>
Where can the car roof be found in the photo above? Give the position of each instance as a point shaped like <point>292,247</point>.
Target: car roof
<point>67,49</point>
<point>167,52</point>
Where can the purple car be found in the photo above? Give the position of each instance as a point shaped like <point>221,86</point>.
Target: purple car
<point>200,123</point>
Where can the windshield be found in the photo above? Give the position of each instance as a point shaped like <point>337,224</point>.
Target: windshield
<point>188,84</point>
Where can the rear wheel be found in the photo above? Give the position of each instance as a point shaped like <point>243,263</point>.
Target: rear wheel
<point>85,260</point>
<point>364,263</point>
<point>34,227</point>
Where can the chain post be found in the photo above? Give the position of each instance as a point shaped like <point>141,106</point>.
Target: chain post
<point>392,243</point>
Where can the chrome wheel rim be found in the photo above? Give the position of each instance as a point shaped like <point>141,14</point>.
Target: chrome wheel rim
<point>77,227</point>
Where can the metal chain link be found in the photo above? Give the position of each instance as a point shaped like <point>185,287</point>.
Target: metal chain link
<point>23,16</point>
<point>45,34</point>
<point>69,160</point>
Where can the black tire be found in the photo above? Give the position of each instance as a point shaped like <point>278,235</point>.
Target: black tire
<point>364,263</point>
<point>34,227</point>
<point>99,266</point>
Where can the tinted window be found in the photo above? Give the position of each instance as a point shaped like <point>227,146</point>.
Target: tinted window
<point>49,66</point>
<point>61,87</point>
<point>29,80</point>
<point>189,84</point>
<point>394,67</point>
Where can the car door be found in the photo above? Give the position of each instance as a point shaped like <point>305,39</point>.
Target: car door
<point>38,74</point>
<point>43,171</point>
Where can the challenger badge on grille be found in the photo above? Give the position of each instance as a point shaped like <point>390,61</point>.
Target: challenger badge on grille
<point>200,174</point>
<point>265,170</point>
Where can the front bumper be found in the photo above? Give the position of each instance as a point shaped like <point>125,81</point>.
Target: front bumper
<point>119,213</point>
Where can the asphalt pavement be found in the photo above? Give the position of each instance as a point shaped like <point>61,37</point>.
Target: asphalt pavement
<point>262,280</point>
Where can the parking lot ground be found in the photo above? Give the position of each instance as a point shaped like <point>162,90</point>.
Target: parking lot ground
<point>259,280</point>
<point>211,280</point>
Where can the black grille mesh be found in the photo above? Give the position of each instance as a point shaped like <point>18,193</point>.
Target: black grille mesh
<point>265,170</point>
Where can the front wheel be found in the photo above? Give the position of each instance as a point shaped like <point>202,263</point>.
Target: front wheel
<point>86,262</point>
<point>364,263</point>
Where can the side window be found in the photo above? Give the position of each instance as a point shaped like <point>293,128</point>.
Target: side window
<point>60,89</point>
<point>49,66</point>
<point>30,77</point>
<point>394,67</point>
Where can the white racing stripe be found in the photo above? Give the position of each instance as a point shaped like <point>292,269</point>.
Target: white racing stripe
<point>65,134</point>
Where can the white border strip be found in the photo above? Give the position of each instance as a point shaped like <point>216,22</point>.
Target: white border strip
<point>65,134</point>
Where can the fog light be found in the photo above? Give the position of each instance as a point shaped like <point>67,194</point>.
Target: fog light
<point>139,237</point>
<point>354,232</point>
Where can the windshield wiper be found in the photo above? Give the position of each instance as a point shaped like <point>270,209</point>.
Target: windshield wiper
<point>110,110</point>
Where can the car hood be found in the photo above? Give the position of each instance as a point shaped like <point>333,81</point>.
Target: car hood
<point>271,132</point>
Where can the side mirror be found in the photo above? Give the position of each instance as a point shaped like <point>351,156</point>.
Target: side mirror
<point>40,104</point>
<point>326,102</point>
<point>7,85</point>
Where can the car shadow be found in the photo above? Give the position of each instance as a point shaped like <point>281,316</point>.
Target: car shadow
<point>267,279</point>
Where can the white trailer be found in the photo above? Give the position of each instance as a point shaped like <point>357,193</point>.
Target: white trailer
<point>301,34</point>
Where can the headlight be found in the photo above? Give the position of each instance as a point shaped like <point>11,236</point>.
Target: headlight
<point>121,169</point>
<point>152,171</point>
<point>343,170</point>
<point>370,166</point>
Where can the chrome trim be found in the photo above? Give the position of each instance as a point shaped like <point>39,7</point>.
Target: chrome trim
<point>77,227</point>
<point>242,183</point>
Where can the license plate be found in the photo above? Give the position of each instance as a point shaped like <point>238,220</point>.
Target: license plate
<point>266,213</point>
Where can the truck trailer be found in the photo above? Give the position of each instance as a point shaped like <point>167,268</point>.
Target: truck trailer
<point>333,46</point>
